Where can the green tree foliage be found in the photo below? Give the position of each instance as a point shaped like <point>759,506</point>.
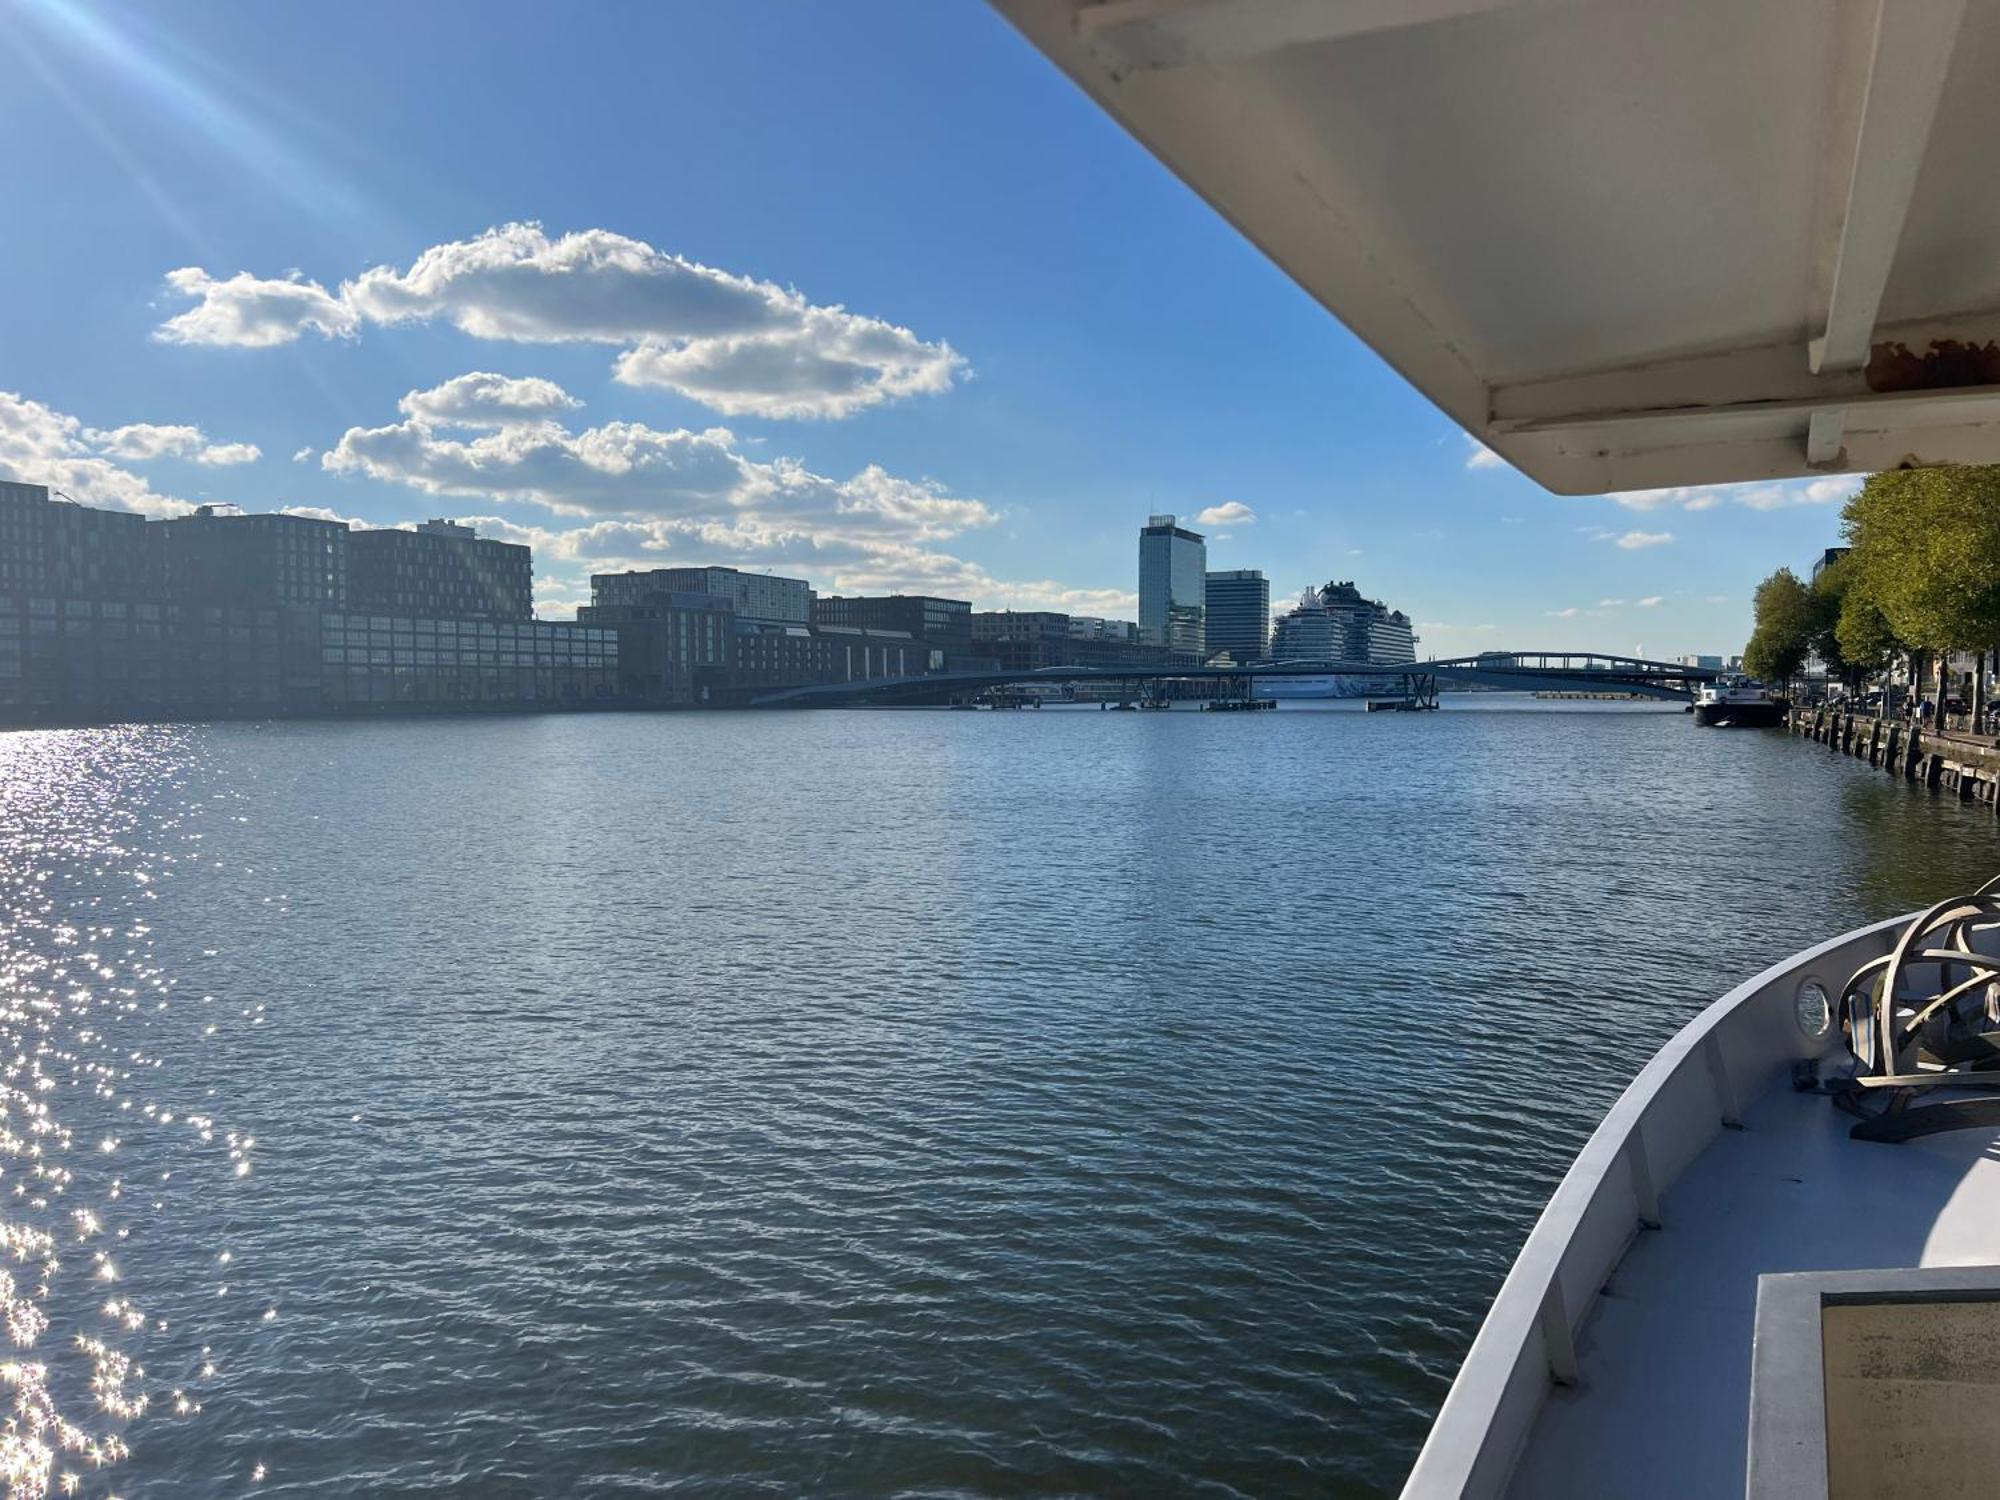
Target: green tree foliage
<point>1867,644</point>
<point>1927,555</point>
<point>1829,598</point>
<point>1787,619</point>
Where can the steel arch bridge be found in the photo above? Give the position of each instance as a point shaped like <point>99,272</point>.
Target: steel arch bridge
<point>1526,671</point>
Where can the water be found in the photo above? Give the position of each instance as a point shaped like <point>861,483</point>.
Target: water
<point>844,1103</point>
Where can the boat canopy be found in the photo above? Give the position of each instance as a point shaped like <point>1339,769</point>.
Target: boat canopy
<point>1626,244</point>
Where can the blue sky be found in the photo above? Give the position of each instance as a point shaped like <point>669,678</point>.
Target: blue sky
<point>863,291</point>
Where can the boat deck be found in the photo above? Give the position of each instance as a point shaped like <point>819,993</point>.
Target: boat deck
<point>1661,1406</point>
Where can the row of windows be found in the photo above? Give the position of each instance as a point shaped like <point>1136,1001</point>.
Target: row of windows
<point>581,656</point>
<point>540,630</point>
<point>114,609</point>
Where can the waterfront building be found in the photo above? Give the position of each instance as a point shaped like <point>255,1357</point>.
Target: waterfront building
<point>397,659</point>
<point>219,555</point>
<point>1173,569</point>
<point>1237,603</point>
<point>781,656</point>
<point>672,648</point>
<point>763,597</point>
<point>105,615</point>
<point>440,569</point>
<point>945,624</point>
<point>1027,640</point>
<point>1094,628</point>
<point>59,549</point>
<point>1023,640</point>
<point>1336,623</point>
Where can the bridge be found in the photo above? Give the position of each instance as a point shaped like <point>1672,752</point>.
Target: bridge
<point>1415,682</point>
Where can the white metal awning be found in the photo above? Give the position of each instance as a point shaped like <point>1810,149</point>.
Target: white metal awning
<point>1627,243</point>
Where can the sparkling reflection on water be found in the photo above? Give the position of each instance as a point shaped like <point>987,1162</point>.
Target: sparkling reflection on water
<point>842,1103</point>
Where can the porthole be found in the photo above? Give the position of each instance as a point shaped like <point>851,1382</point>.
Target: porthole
<point>1813,1009</point>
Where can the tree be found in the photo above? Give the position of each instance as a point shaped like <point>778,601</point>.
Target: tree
<point>1927,553</point>
<point>1829,598</point>
<point>1785,623</point>
<point>1867,644</point>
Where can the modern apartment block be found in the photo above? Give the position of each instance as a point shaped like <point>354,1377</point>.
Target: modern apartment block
<point>222,556</point>
<point>441,569</point>
<point>763,597</point>
<point>1029,640</point>
<point>1173,601</point>
<point>943,623</point>
<point>1238,604</point>
<point>672,648</point>
<point>62,548</point>
<point>107,616</point>
<point>1095,628</point>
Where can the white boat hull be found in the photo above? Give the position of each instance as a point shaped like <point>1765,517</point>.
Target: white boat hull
<point>1567,1391</point>
<point>1330,685</point>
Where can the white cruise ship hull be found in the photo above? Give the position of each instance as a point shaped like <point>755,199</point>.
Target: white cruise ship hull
<point>1330,685</point>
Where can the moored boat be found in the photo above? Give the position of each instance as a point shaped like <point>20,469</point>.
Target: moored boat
<point>1738,703</point>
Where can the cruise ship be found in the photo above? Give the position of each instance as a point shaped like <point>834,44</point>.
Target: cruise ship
<point>1336,624</point>
<point>1632,246</point>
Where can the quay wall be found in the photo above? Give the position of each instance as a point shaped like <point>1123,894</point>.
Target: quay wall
<point>1966,766</point>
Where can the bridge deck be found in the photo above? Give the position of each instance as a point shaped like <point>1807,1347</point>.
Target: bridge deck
<point>1574,671</point>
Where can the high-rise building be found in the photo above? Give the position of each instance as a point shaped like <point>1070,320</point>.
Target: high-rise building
<point>442,570</point>
<point>1238,603</point>
<point>1336,624</point>
<point>218,556</point>
<point>1173,604</point>
<point>57,548</point>
<point>763,598</point>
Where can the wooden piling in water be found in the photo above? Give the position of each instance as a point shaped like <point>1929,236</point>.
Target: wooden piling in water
<point>1966,766</point>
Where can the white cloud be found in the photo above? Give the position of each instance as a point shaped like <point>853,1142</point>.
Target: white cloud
<point>143,442</point>
<point>740,346</point>
<point>246,312</point>
<point>1632,540</point>
<point>641,497</point>
<point>1563,614</point>
<point>1479,456</point>
<point>319,513</point>
<point>485,400</point>
<point>39,445</point>
<point>631,470</point>
<point>305,454</point>
<point>1609,603</point>
<point>1766,495</point>
<point>1229,513</point>
<point>226,454</point>
<point>1652,601</point>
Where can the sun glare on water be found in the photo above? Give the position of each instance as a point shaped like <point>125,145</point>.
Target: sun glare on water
<point>85,1012</point>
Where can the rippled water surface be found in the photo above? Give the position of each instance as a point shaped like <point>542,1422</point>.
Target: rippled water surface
<point>843,1103</point>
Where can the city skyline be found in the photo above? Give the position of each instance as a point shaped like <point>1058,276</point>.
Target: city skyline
<point>247,307</point>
